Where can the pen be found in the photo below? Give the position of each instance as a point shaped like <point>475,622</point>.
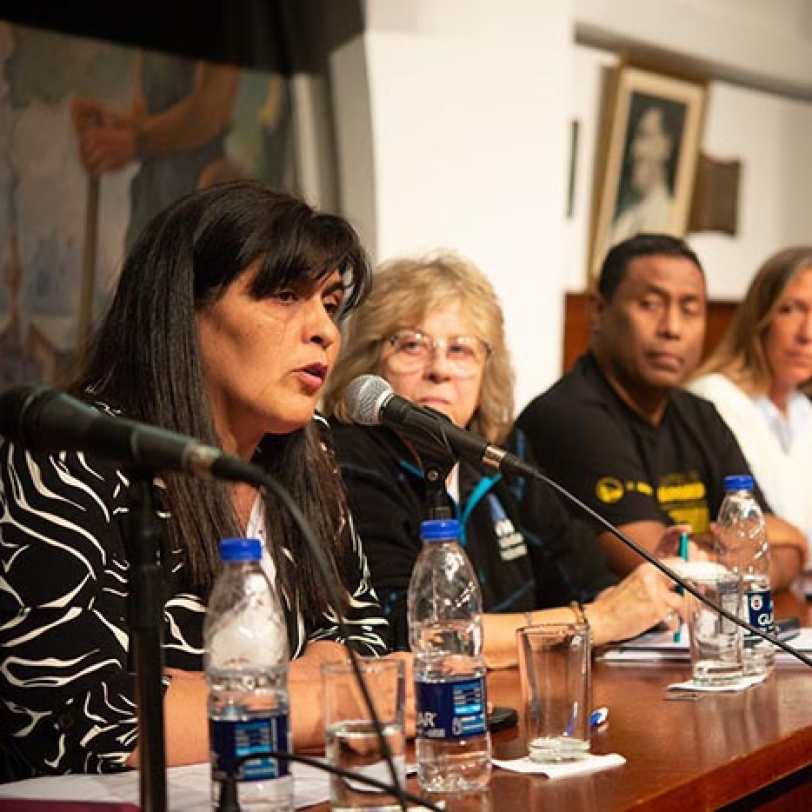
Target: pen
<point>683,554</point>
<point>598,717</point>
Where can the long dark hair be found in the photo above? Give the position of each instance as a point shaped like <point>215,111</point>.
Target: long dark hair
<point>145,360</point>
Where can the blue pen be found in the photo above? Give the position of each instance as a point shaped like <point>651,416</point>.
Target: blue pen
<point>683,554</point>
<point>598,717</point>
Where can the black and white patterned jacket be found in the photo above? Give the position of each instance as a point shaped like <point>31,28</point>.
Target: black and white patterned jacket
<point>67,687</point>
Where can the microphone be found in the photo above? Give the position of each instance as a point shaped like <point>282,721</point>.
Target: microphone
<point>42,419</point>
<point>371,401</point>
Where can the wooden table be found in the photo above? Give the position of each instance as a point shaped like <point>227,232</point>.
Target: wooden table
<point>723,749</point>
<point>739,751</point>
<point>751,750</point>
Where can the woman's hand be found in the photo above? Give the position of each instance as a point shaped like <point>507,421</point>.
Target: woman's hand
<point>306,696</point>
<point>641,600</point>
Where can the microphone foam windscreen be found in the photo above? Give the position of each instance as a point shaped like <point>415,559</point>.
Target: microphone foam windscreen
<point>364,398</point>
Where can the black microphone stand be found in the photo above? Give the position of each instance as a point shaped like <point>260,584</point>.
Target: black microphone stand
<point>436,497</point>
<point>436,457</point>
<point>146,601</point>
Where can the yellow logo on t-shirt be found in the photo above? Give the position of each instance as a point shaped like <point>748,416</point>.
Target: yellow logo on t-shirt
<point>688,491</point>
<point>609,490</point>
<point>684,498</point>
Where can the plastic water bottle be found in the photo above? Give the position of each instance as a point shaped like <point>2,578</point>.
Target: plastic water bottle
<point>453,745</point>
<point>246,664</point>
<point>746,551</point>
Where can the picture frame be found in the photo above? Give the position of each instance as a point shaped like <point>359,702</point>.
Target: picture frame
<point>647,163</point>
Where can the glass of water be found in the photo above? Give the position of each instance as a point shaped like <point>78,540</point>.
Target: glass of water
<point>716,642</point>
<point>351,739</point>
<point>555,674</point>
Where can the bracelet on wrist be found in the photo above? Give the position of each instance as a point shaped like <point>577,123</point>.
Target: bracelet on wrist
<point>580,615</point>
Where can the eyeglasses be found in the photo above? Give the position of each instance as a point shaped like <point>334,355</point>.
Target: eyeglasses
<point>412,349</point>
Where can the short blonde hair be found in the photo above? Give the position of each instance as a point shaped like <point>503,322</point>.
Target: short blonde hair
<point>740,354</point>
<point>404,291</point>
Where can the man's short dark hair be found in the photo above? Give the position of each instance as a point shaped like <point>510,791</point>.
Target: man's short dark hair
<point>616,263</point>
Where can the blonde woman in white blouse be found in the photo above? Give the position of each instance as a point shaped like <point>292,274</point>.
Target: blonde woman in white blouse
<point>757,379</point>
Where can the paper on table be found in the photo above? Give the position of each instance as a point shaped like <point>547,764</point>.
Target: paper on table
<point>651,647</point>
<point>660,647</point>
<point>802,641</point>
<point>187,787</point>
<point>589,764</point>
<point>741,684</point>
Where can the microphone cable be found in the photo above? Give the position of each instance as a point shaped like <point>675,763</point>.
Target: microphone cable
<point>228,801</point>
<point>262,479</point>
<point>670,573</point>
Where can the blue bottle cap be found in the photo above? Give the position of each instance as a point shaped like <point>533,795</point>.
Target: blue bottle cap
<point>739,482</point>
<point>241,549</point>
<point>440,530</point>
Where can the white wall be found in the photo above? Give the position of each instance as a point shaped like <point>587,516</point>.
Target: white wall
<point>469,139</point>
<point>759,41</point>
<point>469,105</point>
<point>773,138</point>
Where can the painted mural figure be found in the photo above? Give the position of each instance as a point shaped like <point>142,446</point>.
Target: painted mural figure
<point>175,128</point>
<point>95,138</point>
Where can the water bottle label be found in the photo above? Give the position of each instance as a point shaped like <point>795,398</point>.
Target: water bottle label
<point>759,612</point>
<point>454,709</point>
<point>240,746</point>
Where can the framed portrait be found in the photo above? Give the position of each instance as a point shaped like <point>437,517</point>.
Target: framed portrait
<point>649,151</point>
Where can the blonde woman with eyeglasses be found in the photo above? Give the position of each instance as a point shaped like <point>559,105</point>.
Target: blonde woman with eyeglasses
<point>434,329</point>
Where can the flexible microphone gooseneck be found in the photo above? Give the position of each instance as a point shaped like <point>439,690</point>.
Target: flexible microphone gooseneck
<point>42,419</point>
<point>371,401</point>
<point>263,479</point>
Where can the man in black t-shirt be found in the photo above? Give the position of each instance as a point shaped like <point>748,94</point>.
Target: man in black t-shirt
<point>618,431</point>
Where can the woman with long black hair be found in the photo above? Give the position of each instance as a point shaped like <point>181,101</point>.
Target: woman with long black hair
<point>224,326</point>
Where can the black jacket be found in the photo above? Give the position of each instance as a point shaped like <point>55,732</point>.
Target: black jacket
<point>527,552</point>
